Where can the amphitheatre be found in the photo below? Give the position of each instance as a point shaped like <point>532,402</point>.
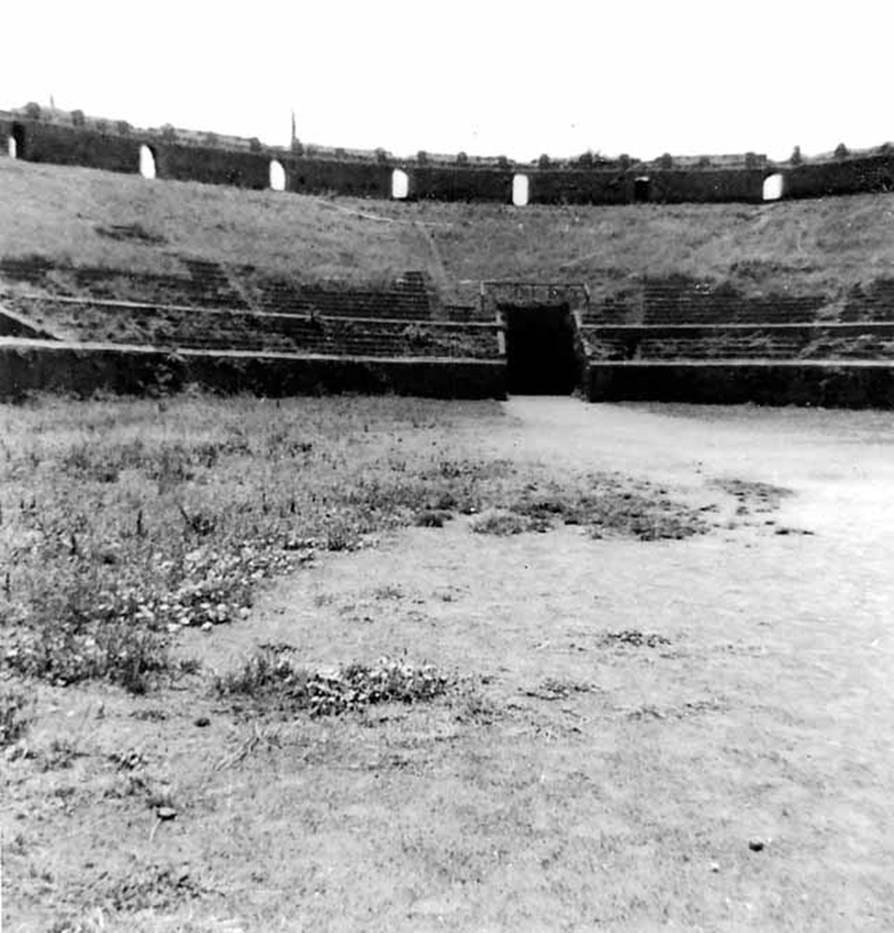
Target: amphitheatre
<point>767,318</point>
<point>442,542</point>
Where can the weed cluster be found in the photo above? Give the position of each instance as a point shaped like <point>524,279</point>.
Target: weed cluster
<point>271,678</point>
<point>606,504</point>
<point>634,638</point>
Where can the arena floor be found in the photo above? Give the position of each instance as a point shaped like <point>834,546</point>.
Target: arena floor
<point>683,734</point>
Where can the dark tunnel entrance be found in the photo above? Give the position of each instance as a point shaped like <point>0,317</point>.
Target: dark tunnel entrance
<point>17,141</point>
<point>540,357</point>
<point>641,193</point>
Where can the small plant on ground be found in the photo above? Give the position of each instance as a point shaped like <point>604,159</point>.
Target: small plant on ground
<point>271,678</point>
<point>634,638</point>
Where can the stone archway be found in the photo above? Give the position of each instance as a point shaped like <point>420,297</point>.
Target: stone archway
<point>540,349</point>
<point>400,184</point>
<point>147,162</point>
<point>642,192</point>
<point>277,176</point>
<point>774,187</point>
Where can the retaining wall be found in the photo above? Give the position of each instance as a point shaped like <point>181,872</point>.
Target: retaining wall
<point>830,385</point>
<point>27,367</point>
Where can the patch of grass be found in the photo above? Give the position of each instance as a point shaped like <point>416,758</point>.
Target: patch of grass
<point>134,231</point>
<point>752,490</point>
<point>60,754</point>
<point>472,706</point>
<point>271,679</point>
<point>634,638</point>
<point>432,518</point>
<point>500,522</point>
<point>67,652</point>
<point>16,714</point>
<point>554,688</point>
<point>607,505</point>
<point>124,521</point>
<point>147,887</point>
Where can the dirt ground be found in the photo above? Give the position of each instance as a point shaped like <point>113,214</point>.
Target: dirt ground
<point>690,735</point>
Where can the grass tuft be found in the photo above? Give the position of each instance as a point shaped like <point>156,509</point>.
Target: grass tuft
<point>16,714</point>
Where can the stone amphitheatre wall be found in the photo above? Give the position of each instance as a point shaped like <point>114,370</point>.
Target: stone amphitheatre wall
<point>65,145</point>
<point>309,175</point>
<point>73,139</point>
<point>212,165</point>
<point>845,175</point>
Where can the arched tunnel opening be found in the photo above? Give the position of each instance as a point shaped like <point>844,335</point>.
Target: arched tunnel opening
<point>400,184</point>
<point>147,162</point>
<point>540,353</point>
<point>774,187</point>
<point>277,176</point>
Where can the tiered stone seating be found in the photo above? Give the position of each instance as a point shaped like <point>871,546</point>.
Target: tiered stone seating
<point>236,329</point>
<point>779,342</point>
<point>874,302</point>
<point>285,297</point>
<point>30,270</point>
<point>678,300</point>
<point>680,319</point>
<point>207,285</point>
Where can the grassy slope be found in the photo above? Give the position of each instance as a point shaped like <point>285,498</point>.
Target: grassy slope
<point>802,246</point>
<point>54,211</point>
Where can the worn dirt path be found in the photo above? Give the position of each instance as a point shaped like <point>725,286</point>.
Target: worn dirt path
<point>768,713</point>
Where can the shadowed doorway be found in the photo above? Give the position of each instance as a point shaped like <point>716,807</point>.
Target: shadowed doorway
<point>540,357</point>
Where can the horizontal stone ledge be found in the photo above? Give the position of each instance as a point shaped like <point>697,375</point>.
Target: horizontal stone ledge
<point>661,327</point>
<point>840,363</point>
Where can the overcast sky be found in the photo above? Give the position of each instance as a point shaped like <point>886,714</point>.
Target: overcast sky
<point>642,77</point>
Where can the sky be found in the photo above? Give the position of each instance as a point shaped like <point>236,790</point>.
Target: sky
<point>687,77</point>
